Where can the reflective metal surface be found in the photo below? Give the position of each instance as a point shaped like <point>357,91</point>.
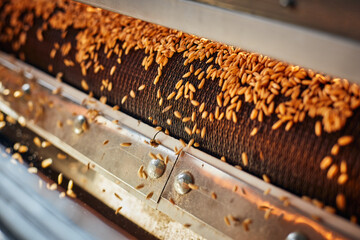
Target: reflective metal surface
<point>28,210</point>
<point>181,182</point>
<point>156,168</point>
<point>296,236</point>
<point>80,124</point>
<point>227,202</point>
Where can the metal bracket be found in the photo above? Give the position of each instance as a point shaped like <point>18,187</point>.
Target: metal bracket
<point>224,202</point>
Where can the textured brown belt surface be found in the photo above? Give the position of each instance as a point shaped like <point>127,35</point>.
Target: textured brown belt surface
<point>290,159</point>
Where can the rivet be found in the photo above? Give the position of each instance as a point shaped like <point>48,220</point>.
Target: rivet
<point>155,168</point>
<point>181,182</point>
<point>296,236</point>
<point>80,124</point>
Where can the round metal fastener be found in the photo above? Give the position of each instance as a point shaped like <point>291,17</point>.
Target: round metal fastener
<point>155,168</point>
<point>296,236</point>
<point>181,182</point>
<point>287,3</point>
<point>80,124</point>
<point>26,88</point>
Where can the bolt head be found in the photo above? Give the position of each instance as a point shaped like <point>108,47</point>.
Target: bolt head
<point>80,124</point>
<point>155,168</point>
<point>181,182</point>
<point>26,88</point>
<point>296,236</point>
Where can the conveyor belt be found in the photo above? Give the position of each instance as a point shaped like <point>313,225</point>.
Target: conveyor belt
<point>290,159</point>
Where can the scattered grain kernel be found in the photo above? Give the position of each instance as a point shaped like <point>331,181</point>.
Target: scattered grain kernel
<point>340,201</point>
<point>177,114</point>
<point>149,195</point>
<point>245,159</point>
<point>46,163</point>
<point>345,140</point>
<point>266,178</point>
<point>132,94</point>
<point>193,186</point>
<point>335,149</point>
<point>326,162</point>
<point>226,220</point>
<point>343,178</point>
<point>332,171</point>
<point>45,144</point>
<point>32,170</point>
<point>60,178</point>
<point>213,195</point>
<point>318,128</point>
<point>124,99</point>
<point>37,141</point>
<point>343,167</point>
<point>118,210</point>
<point>84,85</point>
<point>267,191</point>
<point>254,131</point>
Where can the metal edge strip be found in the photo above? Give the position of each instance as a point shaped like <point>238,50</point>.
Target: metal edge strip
<point>333,221</point>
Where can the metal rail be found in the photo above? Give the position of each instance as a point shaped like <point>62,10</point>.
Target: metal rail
<point>237,193</point>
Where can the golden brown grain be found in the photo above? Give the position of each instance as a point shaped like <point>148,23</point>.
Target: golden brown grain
<point>142,87</point>
<point>343,178</point>
<point>226,220</point>
<point>149,195</point>
<point>177,114</point>
<point>152,155</point>
<point>193,186</point>
<point>246,224</point>
<point>245,159</point>
<point>213,195</point>
<point>46,163</point>
<point>70,184</point>
<point>343,167</point>
<point>132,94</point>
<point>118,210</point>
<point>345,140</point>
<point>326,162</point>
<point>125,144</point>
<point>340,201</point>
<point>61,156</point>
<point>60,178</point>
<point>318,128</point>
<point>333,170</point>
<point>118,196</point>
<point>266,178</point>
<point>171,95</point>
<point>166,109</point>
<point>335,149</point>
<point>112,70</point>
<point>254,131</point>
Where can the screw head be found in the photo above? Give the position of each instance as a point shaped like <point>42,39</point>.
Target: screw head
<point>80,124</point>
<point>287,3</point>
<point>155,168</point>
<point>181,182</point>
<point>26,88</point>
<point>296,236</point>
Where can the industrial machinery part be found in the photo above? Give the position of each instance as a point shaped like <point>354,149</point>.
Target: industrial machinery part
<point>225,141</point>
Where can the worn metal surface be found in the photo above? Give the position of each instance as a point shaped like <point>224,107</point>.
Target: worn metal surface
<point>243,201</point>
<point>309,48</point>
<point>31,211</point>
